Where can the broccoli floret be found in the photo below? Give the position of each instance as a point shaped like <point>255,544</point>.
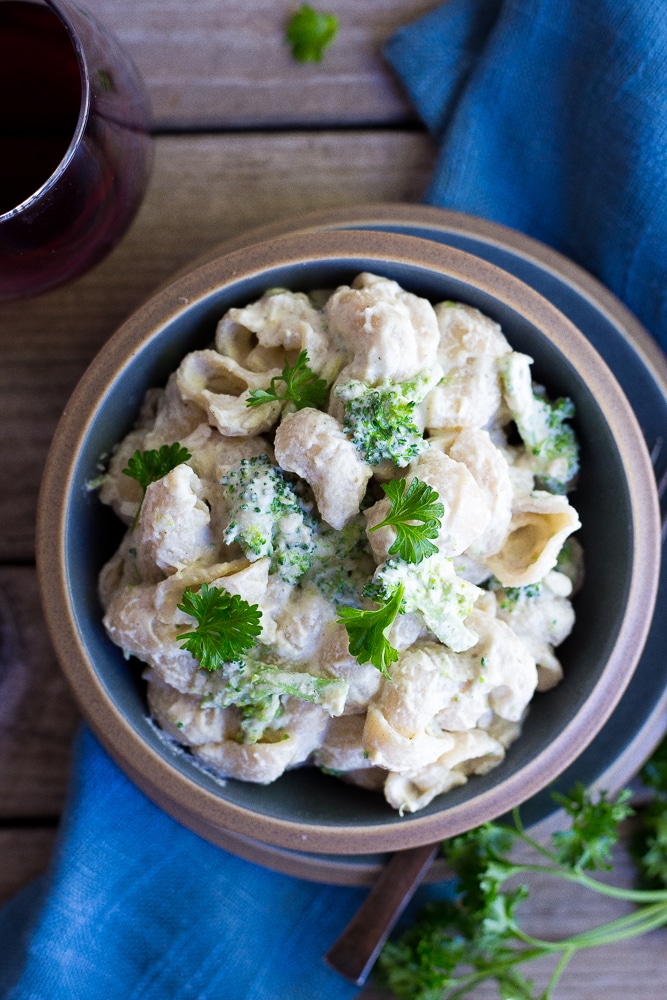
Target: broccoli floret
<point>550,442</point>
<point>434,592</point>
<point>268,518</point>
<point>511,596</point>
<point>570,562</point>
<point>258,689</point>
<point>379,420</point>
<point>342,562</point>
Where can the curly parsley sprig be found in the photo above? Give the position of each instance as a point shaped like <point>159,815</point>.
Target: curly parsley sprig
<point>227,626</point>
<point>457,944</point>
<point>367,632</point>
<point>147,467</point>
<point>301,386</point>
<point>420,503</point>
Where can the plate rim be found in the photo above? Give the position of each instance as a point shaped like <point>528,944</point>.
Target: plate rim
<point>357,869</point>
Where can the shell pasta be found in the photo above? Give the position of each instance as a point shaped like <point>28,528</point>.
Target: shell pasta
<point>357,502</point>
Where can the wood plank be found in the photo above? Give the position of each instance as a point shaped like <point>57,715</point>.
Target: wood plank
<point>24,854</point>
<point>37,713</point>
<point>204,189</point>
<point>32,398</point>
<point>228,65</point>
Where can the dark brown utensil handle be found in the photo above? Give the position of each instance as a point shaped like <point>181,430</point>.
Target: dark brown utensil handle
<point>354,953</point>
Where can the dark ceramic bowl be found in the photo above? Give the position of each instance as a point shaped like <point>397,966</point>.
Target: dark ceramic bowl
<point>305,810</point>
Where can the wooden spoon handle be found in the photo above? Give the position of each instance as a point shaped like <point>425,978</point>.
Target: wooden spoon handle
<point>354,953</point>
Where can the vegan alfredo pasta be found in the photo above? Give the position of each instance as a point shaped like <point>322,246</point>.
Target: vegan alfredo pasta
<point>348,541</point>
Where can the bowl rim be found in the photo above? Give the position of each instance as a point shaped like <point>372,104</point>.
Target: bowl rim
<point>158,778</point>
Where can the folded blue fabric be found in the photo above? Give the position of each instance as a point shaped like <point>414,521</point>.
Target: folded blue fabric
<point>136,906</point>
<point>551,118</point>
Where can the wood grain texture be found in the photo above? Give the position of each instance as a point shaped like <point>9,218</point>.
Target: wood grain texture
<point>24,855</point>
<point>37,713</point>
<point>221,65</point>
<point>204,189</point>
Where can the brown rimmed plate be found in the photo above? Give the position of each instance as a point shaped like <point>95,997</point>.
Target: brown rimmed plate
<point>360,868</point>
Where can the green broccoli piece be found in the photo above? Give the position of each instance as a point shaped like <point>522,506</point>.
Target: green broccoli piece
<point>434,592</point>
<point>570,562</point>
<point>268,518</point>
<point>510,597</point>
<point>342,562</point>
<point>258,689</point>
<point>542,425</point>
<point>379,420</point>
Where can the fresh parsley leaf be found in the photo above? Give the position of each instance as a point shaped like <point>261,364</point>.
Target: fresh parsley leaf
<point>301,386</point>
<point>310,32</point>
<point>649,847</point>
<point>147,467</point>
<point>367,632</point>
<point>418,504</point>
<point>227,626</point>
<point>419,964</point>
<point>594,828</point>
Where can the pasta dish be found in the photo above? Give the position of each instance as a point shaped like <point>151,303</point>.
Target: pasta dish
<point>349,541</point>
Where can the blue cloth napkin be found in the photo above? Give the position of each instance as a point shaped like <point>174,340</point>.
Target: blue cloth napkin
<point>551,118</point>
<point>136,906</point>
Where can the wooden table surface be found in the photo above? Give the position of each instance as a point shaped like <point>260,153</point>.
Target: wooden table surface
<point>244,136</point>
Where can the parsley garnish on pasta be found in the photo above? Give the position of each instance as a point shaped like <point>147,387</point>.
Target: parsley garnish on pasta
<point>418,503</point>
<point>227,626</point>
<point>147,467</point>
<point>367,632</point>
<point>301,386</point>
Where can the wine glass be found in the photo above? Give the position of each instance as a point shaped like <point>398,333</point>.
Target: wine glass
<point>75,145</point>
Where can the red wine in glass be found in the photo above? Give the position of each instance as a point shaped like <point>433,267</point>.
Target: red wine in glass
<point>75,146</point>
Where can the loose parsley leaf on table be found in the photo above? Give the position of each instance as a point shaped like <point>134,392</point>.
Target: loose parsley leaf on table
<point>367,632</point>
<point>147,467</point>
<point>227,626</point>
<point>419,503</point>
<point>310,32</point>
<point>301,386</point>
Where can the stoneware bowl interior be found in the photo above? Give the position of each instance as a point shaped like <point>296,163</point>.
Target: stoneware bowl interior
<point>307,810</point>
